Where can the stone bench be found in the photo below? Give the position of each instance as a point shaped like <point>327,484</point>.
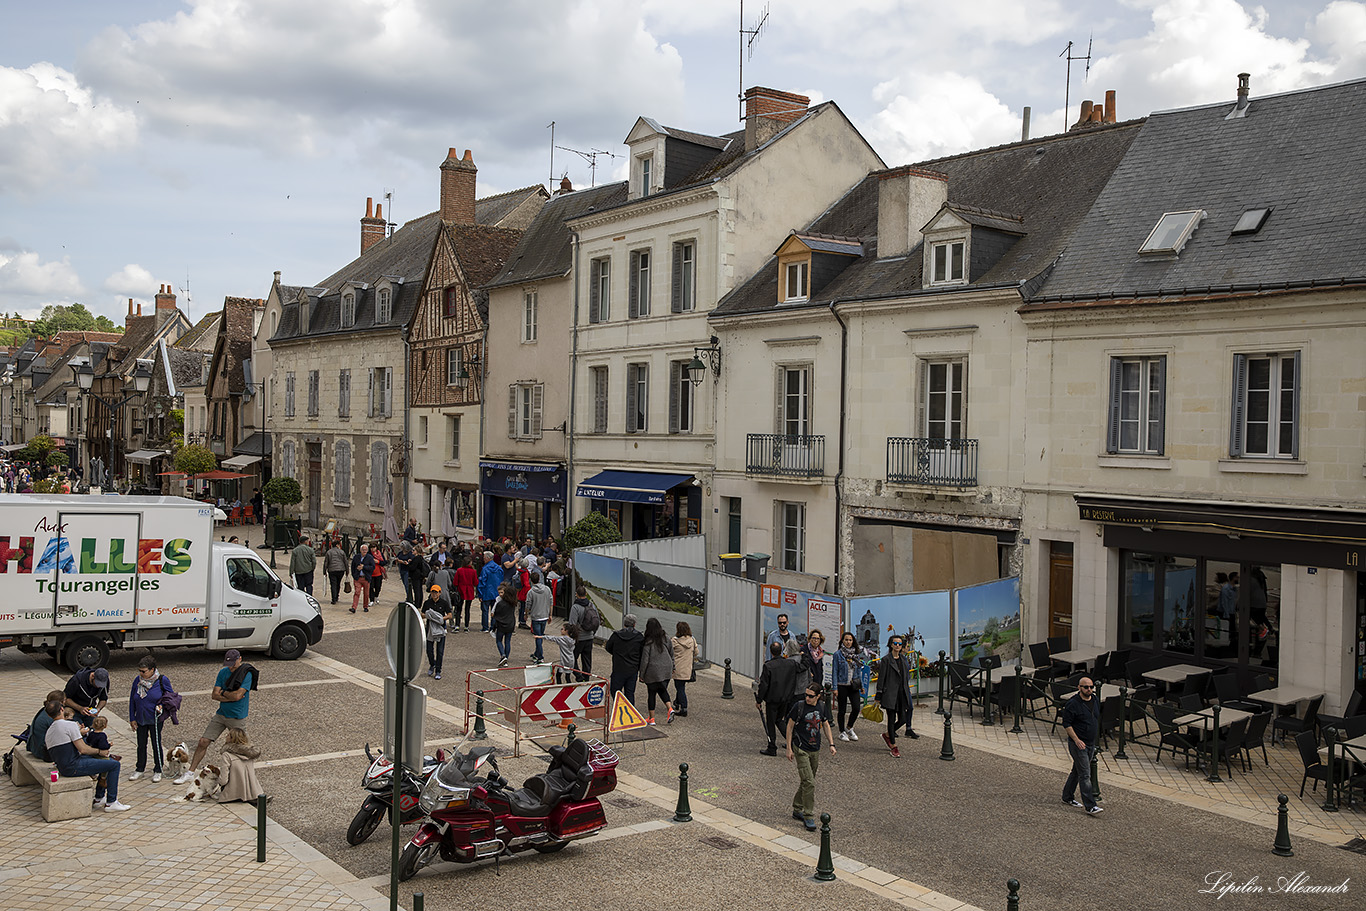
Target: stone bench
<point>65,798</point>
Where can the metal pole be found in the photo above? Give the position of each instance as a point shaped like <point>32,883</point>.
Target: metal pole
<point>1123,716</point>
<point>260,828</point>
<point>825,864</point>
<point>1281,847</point>
<point>1214,749</point>
<point>419,899</point>
<point>946,750</point>
<point>683,811</point>
<point>395,814</point>
<point>986,700</point>
<point>727,691</point>
<point>1330,804</point>
<point>940,710</point>
<point>1013,898</point>
<point>1019,699</point>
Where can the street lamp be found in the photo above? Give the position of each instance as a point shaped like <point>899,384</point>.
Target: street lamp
<point>84,373</point>
<point>697,369</point>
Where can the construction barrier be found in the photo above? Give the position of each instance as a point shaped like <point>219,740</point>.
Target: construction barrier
<point>533,698</point>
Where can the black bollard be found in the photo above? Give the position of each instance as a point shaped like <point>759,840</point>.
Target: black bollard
<point>986,701</point>
<point>480,732</point>
<point>570,737</point>
<point>1214,749</point>
<point>940,710</point>
<point>825,864</point>
<point>1123,715</point>
<point>727,691</point>
<point>1018,707</point>
<point>419,899</point>
<point>260,828</point>
<point>683,812</point>
<point>1330,803</point>
<point>1282,846</point>
<point>946,751</point>
<point>1013,898</point>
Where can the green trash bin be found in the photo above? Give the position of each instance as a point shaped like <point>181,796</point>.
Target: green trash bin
<point>756,567</point>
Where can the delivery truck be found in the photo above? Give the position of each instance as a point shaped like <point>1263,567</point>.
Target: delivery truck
<point>81,575</point>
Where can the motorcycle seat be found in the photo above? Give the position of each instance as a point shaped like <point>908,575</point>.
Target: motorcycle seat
<point>526,802</point>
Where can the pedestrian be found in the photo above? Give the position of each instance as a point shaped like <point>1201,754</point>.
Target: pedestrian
<point>523,577</point>
<point>781,635</point>
<point>805,723</point>
<point>232,691</point>
<point>775,692</point>
<point>75,758</point>
<point>444,576</point>
<point>565,641</point>
<point>811,659</point>
<point>146,715</point>
<point>846,675</point>
<point>539,602</point>
<point>410,534</point>
<point>894,692</point>
<point>378,573</point>
<point>258,506</point>
<point>624,645</point>
<point>403,560</point>
<point>685,659</point>
<point>656,669</point>
<point>334,564</point>
<point>362,569</point>
<point>1080,719</point>
<point>504,622</point>
<point>437,612</point>
<point>490,577</point>
<point>586,617</point>
<point>87,693</point>
<point>466,585</point>
<point>302,562</point>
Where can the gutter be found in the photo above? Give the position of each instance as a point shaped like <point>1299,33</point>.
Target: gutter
<point>573,392</point>
<point>844,421</point>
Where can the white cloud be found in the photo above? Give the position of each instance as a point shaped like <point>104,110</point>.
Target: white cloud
<point>938,114</point>
<point>50,124</point>
<point>130,281</point>
<point>22,274</point>
<point>1341,29</point>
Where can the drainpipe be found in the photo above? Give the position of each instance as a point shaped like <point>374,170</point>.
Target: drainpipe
<point>839,472</point>
<point>404,334</point>
<point>479,517</point>
<point>573,393</point>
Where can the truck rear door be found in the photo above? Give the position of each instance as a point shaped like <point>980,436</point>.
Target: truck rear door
<point>93,559</point>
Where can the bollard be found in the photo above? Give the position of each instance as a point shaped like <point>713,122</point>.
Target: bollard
<point>1282,846</point>
<point>825,864</point>
<point>260,828</point>
<point>1330,803</point>
<point>1013,898</point>
<point>986,701</point>
<point>940,710</point>
<point>419,899</point>
<point>1214,749</point>
<point>727,691</point>
<point>1123,716</point>
<point>683,812</point>
<point>946,751</point>
<point>480,732</point>
<point>1018,707</point>
<point>569,739</point>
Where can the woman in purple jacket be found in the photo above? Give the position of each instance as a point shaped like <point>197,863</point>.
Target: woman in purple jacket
<point>146,714</point>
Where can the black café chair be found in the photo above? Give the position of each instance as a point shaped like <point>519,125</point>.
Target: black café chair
<point>1140,705</point>
<point>1008,694</point>
<point>1057,644</point>
<point>1256,735</point>
<point>1169,735</point>
<point>963,687</point>
<point>1059,693</point>
<point>1230,745</point>
<point>1290,724</point>
<point>1190,703</point>
<point>1038,659</point>
<point>1314,767</point>
<point>1111,718</point>
<point>1231,696</point>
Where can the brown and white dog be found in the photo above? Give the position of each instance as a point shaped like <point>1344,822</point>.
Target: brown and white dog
<point>177,757</point>
<point>204,785</point>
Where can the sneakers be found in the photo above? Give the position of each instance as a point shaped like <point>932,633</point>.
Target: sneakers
<point>117,807</point>
<point>156,776</point>
<point>810,822</point>
<point>844,736</point>
<point>97,803</point>
<point>896,753</point>
<point>353,610</point>
<point>797,814</point>
<point>670,719</point>
<point>852,735</point>
<point>1094,810</point>
<point>650,721</point>
<point>367,610</point>
<point>135,776</point>
<point>1075,803</point>
<point>503,663</point>
<point>771,751</point>
<point>912,734</point>
<point>888,740</point>
<point>437,675</point>
<point>184,777</point>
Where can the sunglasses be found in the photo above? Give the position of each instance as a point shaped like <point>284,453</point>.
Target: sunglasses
<point>1087,686</point>
<point>813,695</point>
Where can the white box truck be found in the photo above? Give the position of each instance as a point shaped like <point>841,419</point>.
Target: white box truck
<point>80,575</point>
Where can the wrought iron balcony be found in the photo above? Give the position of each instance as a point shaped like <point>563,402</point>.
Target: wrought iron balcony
<point>932,461</point>
<point>782,455</point>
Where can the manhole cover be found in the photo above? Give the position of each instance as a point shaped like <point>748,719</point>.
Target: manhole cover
<point>724,844</point>
<point>624,803</point>
<point>1356,844</point>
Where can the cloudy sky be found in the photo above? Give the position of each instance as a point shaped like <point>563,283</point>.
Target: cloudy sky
<point>208,143</point>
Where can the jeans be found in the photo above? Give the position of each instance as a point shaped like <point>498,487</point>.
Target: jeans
<point>89,765</point>
<point>409,589</point>
<point>485,605</point>
<point>335,576</point>
<point>1081,774</point>
<point>521,613</point>
<point>804,801</point>
<point>504,642</point>
<point>848,696</point>
<point>583,657</point>
<point>436,652</point>
<point>465,608</point>
<point>305,581</point>
<point>681,699</point>
<point>150,732</point>
<point>624,682</point>
<point>538,629</point>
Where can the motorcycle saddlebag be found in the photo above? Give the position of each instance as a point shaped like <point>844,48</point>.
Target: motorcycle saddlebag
<point>573,819</point>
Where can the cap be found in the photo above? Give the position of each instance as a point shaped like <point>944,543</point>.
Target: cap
<point>230,656</point>
<point>436,588</point>
<point>100,677</point>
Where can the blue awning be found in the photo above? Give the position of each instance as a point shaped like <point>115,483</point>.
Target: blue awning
<point>631,486</point>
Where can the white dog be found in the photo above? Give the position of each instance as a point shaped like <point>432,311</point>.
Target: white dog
<point>176,759</point>
<point>205,784</point>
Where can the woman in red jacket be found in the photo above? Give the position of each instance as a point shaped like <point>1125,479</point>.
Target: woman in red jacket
<point>377,578</point>
<point>466,580</point>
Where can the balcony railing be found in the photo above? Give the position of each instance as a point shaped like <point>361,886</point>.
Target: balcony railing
<point>932,461</point>
<point>782,455</point>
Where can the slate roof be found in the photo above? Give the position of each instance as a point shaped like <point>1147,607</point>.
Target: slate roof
<point>491,210</point>
<point>1301,153</point>
<point>186,367</point>
<point>1043,187</point>
<point>234,342</point>
<point>544,250</point>
<point>203,334</point>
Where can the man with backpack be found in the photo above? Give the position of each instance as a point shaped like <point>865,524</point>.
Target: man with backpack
<point>231,690</point>
<point>585,616</point>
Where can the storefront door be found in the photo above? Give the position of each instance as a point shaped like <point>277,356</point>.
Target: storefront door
<point>1060,590</point>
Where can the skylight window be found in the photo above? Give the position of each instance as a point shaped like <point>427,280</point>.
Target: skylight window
<point>1251,221</point>
<point>1172,231</point>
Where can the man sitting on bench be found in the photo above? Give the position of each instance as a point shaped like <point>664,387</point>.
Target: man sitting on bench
<point>37,729</point>
<point>74,757</point>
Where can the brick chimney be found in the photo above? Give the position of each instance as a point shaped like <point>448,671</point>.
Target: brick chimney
<point>372,225</point>
<point>566,186</point>
<point>165,299</point>
<point>457,188</point>
<point>907,198</point>
<point>767,111</point>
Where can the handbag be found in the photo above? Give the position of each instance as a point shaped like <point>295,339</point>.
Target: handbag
<point>873,712</point>
<point>347,588</point>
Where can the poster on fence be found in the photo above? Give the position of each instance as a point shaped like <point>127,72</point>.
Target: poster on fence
<point>603,578</point>
<point>921,618</point>
<point>987,620</point>
<point>775,602</point>
<point>668,593</point>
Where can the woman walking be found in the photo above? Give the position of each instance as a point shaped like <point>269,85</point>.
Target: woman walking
<point>811,658</point>
<point>685,657</point>
<point>377,576</point>
<point>146,716</point>
<point>846,673</point>
<point>893,692</point>
<point>466,581</point>
<point>504,621</point>
<point>656,667</point>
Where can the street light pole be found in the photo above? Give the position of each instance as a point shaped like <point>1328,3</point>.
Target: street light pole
<point>84,373</point>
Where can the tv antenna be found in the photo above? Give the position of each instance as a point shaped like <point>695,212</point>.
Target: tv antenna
<point>551,127</point>
<point>389,224</point>
<point>186,290</point>
<point>748,36</point>
<point>1067,92</point>
<point>591,157</point>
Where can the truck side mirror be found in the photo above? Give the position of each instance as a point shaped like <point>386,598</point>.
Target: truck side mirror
<point>276,587</point>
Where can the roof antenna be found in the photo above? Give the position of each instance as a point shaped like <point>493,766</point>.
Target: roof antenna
<point>592,158</point>
<point>186,290</point>
<point>747,38</point>
<point>389,226</point>
<point>551,127</point>
<point>1067,92</point>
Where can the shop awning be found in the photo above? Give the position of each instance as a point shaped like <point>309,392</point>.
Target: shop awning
<point>143,456</point>
<point>258,444</point>
<point>631,486</point>
<point>239,462</point>
<point>13,447</point>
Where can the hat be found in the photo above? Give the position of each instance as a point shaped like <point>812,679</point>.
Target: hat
<point>230,656</point>
<point>100,677</point>
<point>436,588</point>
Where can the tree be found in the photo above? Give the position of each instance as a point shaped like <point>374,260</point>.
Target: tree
<point>594,528</point>
<point>56,459</point>
<point>105,324</point>
<point>195,459</point>
<point>38,449</point>
<point>282,490</point>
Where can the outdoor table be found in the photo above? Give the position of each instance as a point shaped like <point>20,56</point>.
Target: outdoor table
<point>1348,751</point>
<point>1204,719</point>
<point>1283,696</point>
<point>1174,673</point>
<point>1077,656</point>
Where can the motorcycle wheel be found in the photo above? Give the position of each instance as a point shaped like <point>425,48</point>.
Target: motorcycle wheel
<point>552,847</point>
<point>414,858</point>
<point>364,825</point>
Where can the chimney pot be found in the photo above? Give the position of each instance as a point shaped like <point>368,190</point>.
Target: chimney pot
<point>458,179</point>
<point>139,309</point>
<point>369,206</point>
<point>1024,125</point>
<point>379,211</point>
<point>1244,89</point>
<point>277,276</point>
<point>1085,112</point>
<point>1110,106</point>
<point>130,306</point>
<point>1097,114</point>
<point>566,186</point>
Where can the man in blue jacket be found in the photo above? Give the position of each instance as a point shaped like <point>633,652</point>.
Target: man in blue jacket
<point>490,577</point>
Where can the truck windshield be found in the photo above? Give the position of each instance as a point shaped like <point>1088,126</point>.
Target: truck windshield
<point>249,577</point>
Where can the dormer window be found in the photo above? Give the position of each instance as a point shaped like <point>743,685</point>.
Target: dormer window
<point>645,175</point>
<point>384,311</point>
<point>348,310</point>
<point>795,281</point>
<point>946,263</point>
<point>1171,233</point>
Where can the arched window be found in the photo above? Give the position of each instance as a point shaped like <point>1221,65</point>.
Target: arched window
<point>379,473</point>
<point>341,479</point>
<point>385,310</point>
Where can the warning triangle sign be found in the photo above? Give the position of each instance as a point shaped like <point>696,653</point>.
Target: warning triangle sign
<point>625,716</point>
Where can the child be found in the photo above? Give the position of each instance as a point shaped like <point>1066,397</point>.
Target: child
<point>566,644</point>
<point>97,738</point>
<point>240,757</point>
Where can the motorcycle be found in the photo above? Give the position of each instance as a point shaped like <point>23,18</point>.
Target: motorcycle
<point>379,781</point>
<point>471,820</point>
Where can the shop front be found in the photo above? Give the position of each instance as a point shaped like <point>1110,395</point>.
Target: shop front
<point>646,504</point>
<point>523,498</point>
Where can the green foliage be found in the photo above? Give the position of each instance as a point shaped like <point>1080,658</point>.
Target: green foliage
<point>105,324</point>
<point>282,490</point>
<point>178,418</point>
<point>38,449</point>
<point>56,459</point>
<point>594,528</point>
<point>47,485</point>
<point>195,459</point>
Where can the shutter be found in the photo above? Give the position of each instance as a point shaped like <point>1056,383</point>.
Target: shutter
<point>675,374</point>
<point>594,273</point>
<point>779,387</point>
<point>808,398</point>
<point>512,412</point>
<point>370,393</point>
<point>600,399</point>
<point>922,423</point>
<point>1112,424</point>
<point>631,372</point>
<point>388,391</point>
<point>537,397</point>
<point>1294,359</point>
<point>633,295</point>
<point>1158,441</point>
<point>1239,403</point>
<point>964,424</point>
<point>676,296</point>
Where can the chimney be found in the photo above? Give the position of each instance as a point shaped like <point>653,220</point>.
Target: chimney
<point>371,227</point>
<point>565,186</point>
<point>1024,126</point>
<point>1110,106</point>
<point>130,306</point>
<point>767,111</point>
<point>1085,112</point>
<point>165,299</point>
<point>907,198</point>
<point>139,309</point>
<point>457,188</point>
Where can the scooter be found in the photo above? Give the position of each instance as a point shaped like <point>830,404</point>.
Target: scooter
<point>379,781</point>
<point>472,820</point>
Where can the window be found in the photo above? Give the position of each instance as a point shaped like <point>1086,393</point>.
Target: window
<point>341,478</point>
<point>599,399</point>
<point>684,296</point>
<point>385,309</point>
<point>638,302</point>
<point>943,399</point>
<point>381,392</point>
<point>645,168</point>
<point>947,262</point>
<point>1172,231</point>
<point>274,321</point>
<point>599,290</point>
<point>637,397</point>
<point>453,434</point>
<point>250,578</point>
<point>1137,405</point>
<point>680,398</point>
<point>450,300</point>
<point>289,395</point>
<point>792,536</point>
<point>422,431</point>
<point>1266,405</point>
<point>529,316</point>
<point>348,310</point>
<point>794,401</point>
<point>524,410</point>
<point>1251,221</point>
<point>455,370</point>
<point>313,393</point>
<point>344,393</point>
<point>287,459</point>
<point>796,282</point>
<point>379,474</point>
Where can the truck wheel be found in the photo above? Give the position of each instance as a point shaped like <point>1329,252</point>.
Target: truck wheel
<point>288,642</point>
<point>87,651</point>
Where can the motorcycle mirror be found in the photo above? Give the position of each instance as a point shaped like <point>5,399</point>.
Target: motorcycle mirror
<point>440,755</point>
<point>367,753</point>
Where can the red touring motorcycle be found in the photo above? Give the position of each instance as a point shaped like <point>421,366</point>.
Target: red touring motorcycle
<point>378,780</point>
<point>472,819</point>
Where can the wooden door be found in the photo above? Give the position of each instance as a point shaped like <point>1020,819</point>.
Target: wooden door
<point>315,484</point>
<point>1060,589</point>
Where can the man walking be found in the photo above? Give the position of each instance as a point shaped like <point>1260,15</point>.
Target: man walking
<point>781,635</point>
<point>490,577</point>
<point>893,692</point>
<point>302,562</point>
<point>335,565</point>
<point>1080,719</point>
<point>587,622</point>
<point>538,604</point>
<point>805,724</point>
<point>231,690</point>
<point>362,569</point>
<point>777,686</point>
<point>625,646</point>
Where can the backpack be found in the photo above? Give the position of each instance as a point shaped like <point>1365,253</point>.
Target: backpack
<point>591,619</point>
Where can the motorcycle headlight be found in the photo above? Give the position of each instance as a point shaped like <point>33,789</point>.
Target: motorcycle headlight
<point>434,799</point>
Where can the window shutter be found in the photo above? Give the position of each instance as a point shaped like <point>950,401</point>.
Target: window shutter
<point>1299,384</point>
<point>1112,424</point>
<point>631,373</point>
<point>600,400</point>
<point>676,297</point>
<point>675,378</point>
<point>779,388</point>
<point>1239,402</point>
<point>537,396</point>
<point>594,305</point>
<point>512,412</point>
<point>370,394</point>
<point>922,399</point>
<point>1158,442</point>
<point>388,391</point>
<point>633,295</point>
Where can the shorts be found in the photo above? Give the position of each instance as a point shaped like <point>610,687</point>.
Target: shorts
<point>218,724</point>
